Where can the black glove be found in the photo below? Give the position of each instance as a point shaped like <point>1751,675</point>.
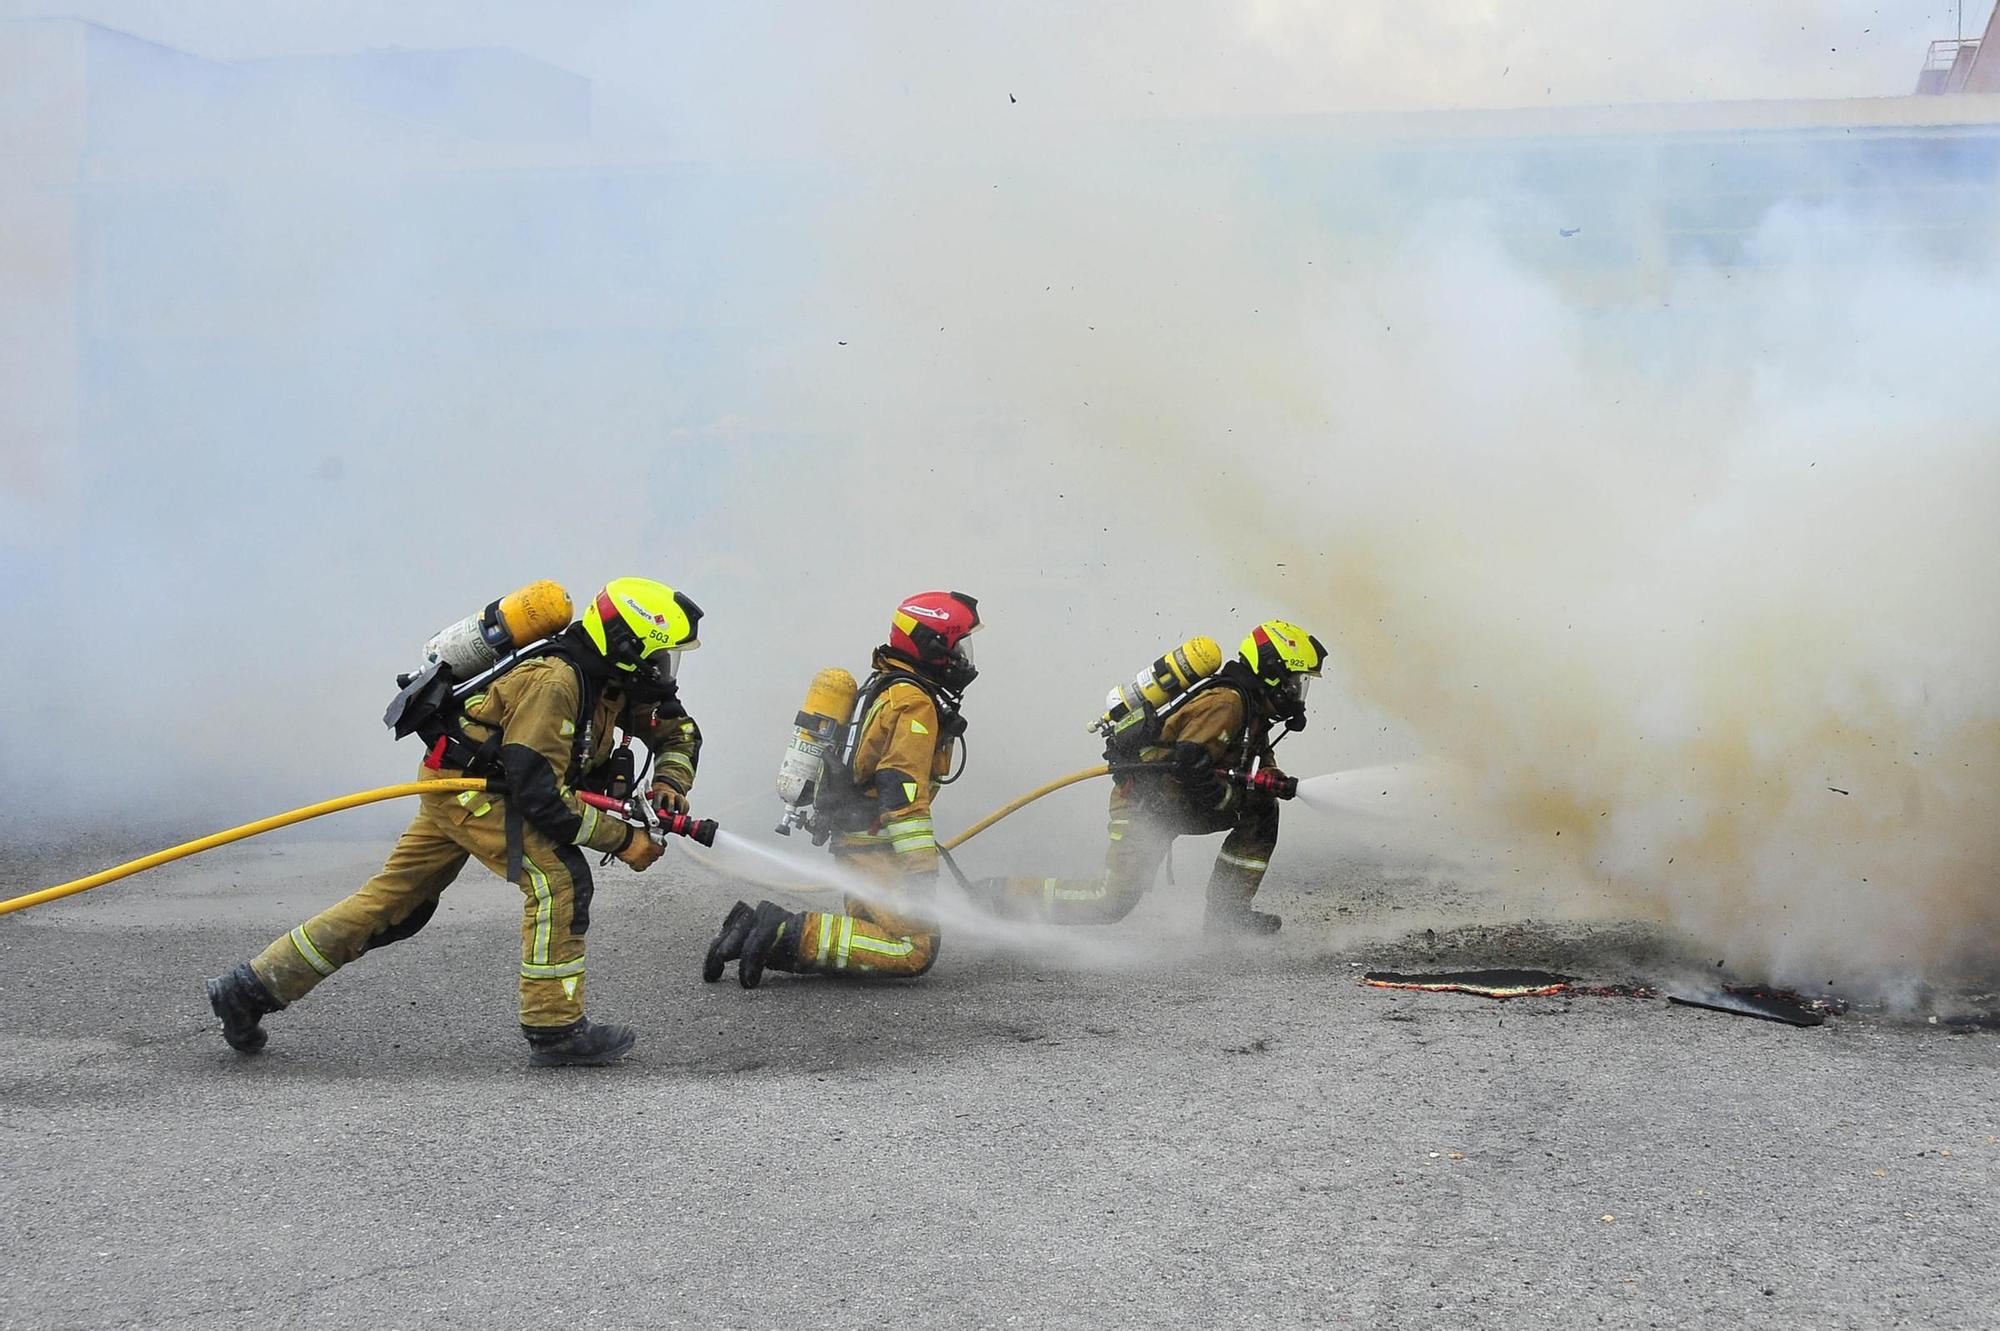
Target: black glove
<point>1199,781</point>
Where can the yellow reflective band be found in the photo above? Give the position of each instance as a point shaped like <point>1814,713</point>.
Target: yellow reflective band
<point>846,937</point>
<point>919,728</point>
<point>585,826</point>
<point>882,947</point>
<point>677,760</point>
<point>569,985</point>
<point>556,972</point>
<point>1087,892</point>
<point>1048,891</point>
<point>1243,862</point>
<point>314,958</point>
<point>825,934</point>
<point>466,797</point>
<point>544,910</point>
<point>568,729</point>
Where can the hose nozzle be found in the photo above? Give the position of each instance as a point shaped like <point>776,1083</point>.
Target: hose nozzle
<point>699,830</point>
<point>1265,780</point>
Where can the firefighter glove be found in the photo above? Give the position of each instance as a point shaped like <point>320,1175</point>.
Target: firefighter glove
<point>668,798</point>
<point>1195,770</point>
<point>640,851</point>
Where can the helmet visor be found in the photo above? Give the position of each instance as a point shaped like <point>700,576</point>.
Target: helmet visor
<point>661,669</point>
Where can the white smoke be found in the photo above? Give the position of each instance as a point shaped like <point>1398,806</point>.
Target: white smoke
<point>1666,552</point>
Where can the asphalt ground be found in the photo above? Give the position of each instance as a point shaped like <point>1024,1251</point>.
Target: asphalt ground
<point>1136,1129</point>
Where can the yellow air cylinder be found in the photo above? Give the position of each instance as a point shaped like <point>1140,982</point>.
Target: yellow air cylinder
<point>821,721</point>
<point>535,611</point>
<point>515,620</point>
<point>1160,683</point>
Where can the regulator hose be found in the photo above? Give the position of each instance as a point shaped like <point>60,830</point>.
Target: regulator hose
<point>262,825</point>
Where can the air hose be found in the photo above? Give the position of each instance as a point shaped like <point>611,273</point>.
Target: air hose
<point>257,828</point>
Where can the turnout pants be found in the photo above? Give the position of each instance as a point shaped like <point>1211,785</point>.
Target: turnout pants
<point>892,931</point>
<point>1139,841</point>
<point>447,831</point>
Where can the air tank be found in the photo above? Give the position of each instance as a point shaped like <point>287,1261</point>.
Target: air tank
<point>524,616</point>
<point>817,729</point>
<point>1160,683</point>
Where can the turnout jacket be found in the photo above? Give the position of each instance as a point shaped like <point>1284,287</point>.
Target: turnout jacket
<point>901,757</point>
<point>1225,721</point>
<point>536,708</point>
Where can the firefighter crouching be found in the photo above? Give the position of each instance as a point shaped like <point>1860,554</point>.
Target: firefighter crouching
<point>1198,764</point>
<point>544,728</point>
<point>874,802</point>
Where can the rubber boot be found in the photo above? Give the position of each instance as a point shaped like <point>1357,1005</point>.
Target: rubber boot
<point>582,1043</point>
<point>728,944</point>
<point>773,941</point>
<point>1242,921</point>
<point>242,1001</point>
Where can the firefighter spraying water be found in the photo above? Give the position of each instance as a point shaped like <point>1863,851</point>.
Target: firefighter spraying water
<point>535,720</point>
<point>1190,747</point>
<point>901,739</point>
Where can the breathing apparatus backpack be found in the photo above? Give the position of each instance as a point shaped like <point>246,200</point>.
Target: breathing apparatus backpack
<point>463,659</point>
<point>816,776</point>
<point>1135,713</point>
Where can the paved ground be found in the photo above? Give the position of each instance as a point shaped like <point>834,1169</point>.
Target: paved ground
<point>1157,1136</point>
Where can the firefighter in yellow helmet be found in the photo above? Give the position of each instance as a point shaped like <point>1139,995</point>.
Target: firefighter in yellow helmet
<point>544,728</point>
<point>910,724</point>
<point>1204,764</point>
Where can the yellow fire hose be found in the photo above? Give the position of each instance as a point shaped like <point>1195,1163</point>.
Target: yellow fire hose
<point>1012,806</point>
<point>1015,806</point>
<point>355,801</point>
<point>263,825</point>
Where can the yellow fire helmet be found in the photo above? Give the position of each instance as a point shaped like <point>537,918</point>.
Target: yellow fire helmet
<point>1276,649</point>
<point>641,627</point>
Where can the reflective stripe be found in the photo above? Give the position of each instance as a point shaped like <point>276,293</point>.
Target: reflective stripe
<point>314,958</point>
<point>846,937</point>
<point>587,826</point>
<point>1243,862</point>
<point>677,760</point>
<point>1048,891</point>
<point>544,909</point>
<point>901,947</point>
<point>1118,826</point>
<point>531,971</point>
<point>910,834</point>
<point>825,934</point>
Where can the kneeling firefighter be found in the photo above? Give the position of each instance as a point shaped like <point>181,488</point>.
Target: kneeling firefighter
<point>871,795</point>
<point>1190,746</point>
<point>539,724</point>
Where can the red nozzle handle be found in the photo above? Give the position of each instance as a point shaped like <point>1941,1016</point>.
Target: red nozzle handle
<point>701,830</point>
<point>1268,780</point>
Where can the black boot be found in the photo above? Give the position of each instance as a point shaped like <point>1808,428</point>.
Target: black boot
<point>242,1001</point>
<point>728,944</point>
<point>1243,921</point>
<point>773,941</point>
<point>582,1043</point>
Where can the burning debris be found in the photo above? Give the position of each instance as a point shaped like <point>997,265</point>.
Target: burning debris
<point>1485,984</point>
<point>1765,1004</point>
